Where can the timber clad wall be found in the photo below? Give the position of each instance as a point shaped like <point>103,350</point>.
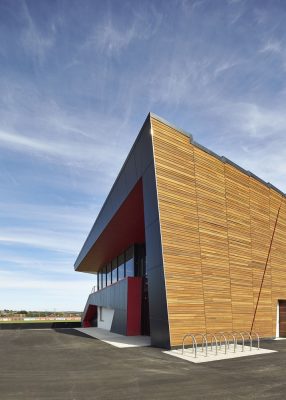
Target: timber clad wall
<point>216,227</point>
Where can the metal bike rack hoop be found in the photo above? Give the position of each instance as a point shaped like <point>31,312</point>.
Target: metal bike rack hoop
<point>194,342</point>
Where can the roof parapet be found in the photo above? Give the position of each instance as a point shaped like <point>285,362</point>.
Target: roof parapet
<point>171,125</point>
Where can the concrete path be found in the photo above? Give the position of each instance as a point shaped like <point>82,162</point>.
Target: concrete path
<point>202,357</point>
<point>116,340</point>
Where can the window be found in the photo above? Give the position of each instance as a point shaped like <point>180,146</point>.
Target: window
<point>129,262</point>
<point>108,274</point>
<point>103,277</point>
<point>114,270</point>
<point>121,267</point>
<point>99,283</point>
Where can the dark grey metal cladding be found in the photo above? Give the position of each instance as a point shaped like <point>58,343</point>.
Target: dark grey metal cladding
<point>151,212</point>
<point>130,172</point>
<point>159,324</point>
<point>114,297</point>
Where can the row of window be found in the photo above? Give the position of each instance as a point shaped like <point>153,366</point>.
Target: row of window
<point>119,268</point>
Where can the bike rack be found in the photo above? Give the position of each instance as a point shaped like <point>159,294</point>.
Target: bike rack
<point>241,335</point>
<point>250,338</point>
<point>213,337</point>
<point>257,338</point>
<point>194,342</point>
<point>204,340</point>
<point>233,339</point>
<point>226,343</point>
<point>221,336</point>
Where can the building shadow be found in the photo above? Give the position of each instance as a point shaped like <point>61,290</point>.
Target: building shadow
<point>73,332</point>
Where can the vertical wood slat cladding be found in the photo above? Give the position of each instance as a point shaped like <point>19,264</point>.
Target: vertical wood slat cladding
<point>179,229</point>
<point>211,205</point>
<point>216,226</point>
<point>260,242</point>
<point>239,238</point>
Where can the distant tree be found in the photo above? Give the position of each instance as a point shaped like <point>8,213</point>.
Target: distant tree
<point>23,312</point>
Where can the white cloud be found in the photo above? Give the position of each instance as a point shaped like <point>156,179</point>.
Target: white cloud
<point>37,265</point>
<point>14,140</point>
<point>33,40</point>
<point>225,66</point>
<point>254,120</point>
<point>271,46</point>
<point>111,39</point>
<point>70,150</point>
<point>64,241</point>
<point>79,217</point>
<point>27,282</point>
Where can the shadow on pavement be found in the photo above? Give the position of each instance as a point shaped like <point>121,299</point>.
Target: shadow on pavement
<point>73,332</point>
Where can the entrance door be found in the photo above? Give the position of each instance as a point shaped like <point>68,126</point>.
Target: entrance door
<point>282,318</point>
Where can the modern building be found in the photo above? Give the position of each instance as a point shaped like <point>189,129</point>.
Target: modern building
<point>186,241</point>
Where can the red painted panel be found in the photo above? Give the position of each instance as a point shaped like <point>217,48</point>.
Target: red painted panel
<point>125,228</point>
<point>90,314</point>
<point>134,299</point>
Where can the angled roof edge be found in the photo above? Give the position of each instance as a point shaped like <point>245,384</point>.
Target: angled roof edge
<point>221,158</point>
<point>164,121</point>
<point>78,261</point>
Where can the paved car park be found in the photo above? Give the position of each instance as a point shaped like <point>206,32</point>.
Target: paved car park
<point>66,364</point>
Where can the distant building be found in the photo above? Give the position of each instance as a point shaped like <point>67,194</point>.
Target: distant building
<point>181,243</point>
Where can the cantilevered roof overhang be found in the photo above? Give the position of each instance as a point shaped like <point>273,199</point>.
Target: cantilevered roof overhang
<point>125,228</point>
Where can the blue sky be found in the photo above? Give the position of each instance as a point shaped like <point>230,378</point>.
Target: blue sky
<point>77,79</point>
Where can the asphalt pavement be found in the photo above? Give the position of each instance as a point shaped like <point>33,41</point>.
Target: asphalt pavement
<point>65,364</point>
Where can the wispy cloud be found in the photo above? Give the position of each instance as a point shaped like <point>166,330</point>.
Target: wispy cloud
<point>253,120</point>
<point>36,265</point>
<point>33,40</point>
<point>27,282</point>
<point>261,122</point>
<point>271,46</point>
<point>111,38</point>
<point>78,216</point>
<point>68,150</point>
<point>64,241</point>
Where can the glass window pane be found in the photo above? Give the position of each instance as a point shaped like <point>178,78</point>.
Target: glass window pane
<point>103,277</point>
<point>99,280</point>
<point>129,262</point>
<point>114,270</point>
<point>121,267</point>
<point>108,274</point>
